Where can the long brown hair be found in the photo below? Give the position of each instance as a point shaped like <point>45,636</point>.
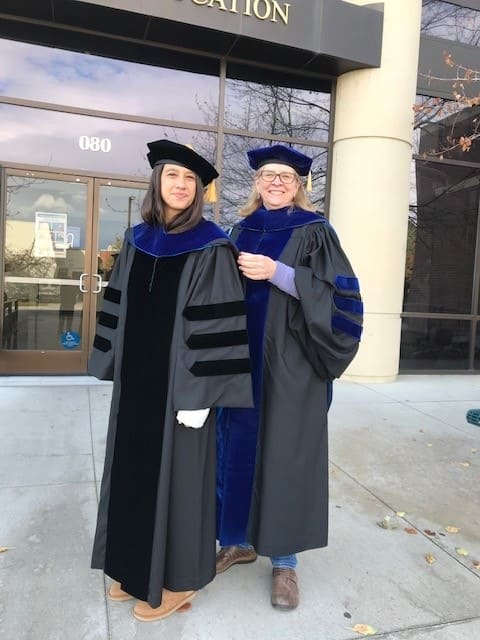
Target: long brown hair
<point>153,208</point>
<point>254,201</point>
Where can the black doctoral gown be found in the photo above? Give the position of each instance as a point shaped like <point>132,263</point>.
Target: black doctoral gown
<point>272,477</point>
<point>172,335</point>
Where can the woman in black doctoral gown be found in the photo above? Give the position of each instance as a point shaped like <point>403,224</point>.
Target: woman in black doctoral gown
<point>172,337</point>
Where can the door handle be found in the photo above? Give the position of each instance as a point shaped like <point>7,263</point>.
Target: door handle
<point>98,286</point>
<point>80,283</point>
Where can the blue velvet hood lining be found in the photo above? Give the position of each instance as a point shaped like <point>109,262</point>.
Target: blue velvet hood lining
<point>279,219</point>
<point>265,232</point>
<point>155,241</point>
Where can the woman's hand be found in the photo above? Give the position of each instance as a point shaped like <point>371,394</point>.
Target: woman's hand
<point>256,266</point>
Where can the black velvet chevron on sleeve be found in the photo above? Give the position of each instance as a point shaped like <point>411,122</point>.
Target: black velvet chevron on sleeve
<point>220,339</point>
<point>108,320</point>
<point>214,311</point>
<point>102,344</point>
<point>112,295</point>
<point>220,367</point>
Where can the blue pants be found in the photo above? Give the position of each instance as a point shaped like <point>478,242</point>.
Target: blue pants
<point>278,562</point>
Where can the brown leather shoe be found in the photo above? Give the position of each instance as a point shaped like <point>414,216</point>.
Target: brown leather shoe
<point>227,556</point>
<point>284,589</point>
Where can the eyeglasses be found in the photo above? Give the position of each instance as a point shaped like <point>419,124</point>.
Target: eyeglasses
<point>287,177</point>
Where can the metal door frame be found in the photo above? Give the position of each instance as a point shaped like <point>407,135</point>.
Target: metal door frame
<point>98,184</point>
<point>43,362</point>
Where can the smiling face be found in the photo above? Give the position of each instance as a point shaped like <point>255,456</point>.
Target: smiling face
<point>178,186</point>
<point>277,193</point>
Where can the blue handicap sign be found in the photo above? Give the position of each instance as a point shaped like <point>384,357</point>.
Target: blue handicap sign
<point>70,340</point>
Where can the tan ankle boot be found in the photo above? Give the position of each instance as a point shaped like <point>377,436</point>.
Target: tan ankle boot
<point>171,601</point>
<point>117,593</point>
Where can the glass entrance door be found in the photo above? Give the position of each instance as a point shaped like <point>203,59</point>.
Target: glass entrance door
<point>61,237</point>
<point>117,207</point>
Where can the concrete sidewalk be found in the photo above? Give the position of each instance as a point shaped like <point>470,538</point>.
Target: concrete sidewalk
<point>398,447</point>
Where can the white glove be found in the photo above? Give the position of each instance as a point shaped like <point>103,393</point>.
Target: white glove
<point>195,418</point>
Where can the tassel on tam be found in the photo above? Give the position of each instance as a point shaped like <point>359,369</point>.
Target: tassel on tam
<point>308,186</point>
<point>210,196</point>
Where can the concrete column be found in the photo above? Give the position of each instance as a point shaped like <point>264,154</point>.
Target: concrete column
<point>372,148</point>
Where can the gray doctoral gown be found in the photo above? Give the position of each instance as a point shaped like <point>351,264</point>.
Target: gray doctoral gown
<point>171,335</point>
<point>272,477</point>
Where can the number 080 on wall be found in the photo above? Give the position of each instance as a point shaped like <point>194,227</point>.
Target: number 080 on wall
<point>94,143</point>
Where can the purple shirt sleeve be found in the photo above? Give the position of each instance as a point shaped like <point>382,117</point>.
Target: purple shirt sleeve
<point>284,279</point>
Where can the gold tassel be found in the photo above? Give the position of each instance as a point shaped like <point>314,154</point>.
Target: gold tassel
<point>309,188</point>
<point>210,196</point>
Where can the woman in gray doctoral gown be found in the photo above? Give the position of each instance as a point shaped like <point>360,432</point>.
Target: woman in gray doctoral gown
<point>304,317</point>
<point>172,336</point>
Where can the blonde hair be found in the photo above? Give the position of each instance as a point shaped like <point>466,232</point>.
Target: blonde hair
<point>254,200</point>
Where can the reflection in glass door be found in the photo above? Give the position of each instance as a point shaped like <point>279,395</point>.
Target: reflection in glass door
<point>117,207</point>
<point>62,235</point>
<point>45,255</point>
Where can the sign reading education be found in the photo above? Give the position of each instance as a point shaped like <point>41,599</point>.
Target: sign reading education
<point>271,10</point>
<point>316,27</point>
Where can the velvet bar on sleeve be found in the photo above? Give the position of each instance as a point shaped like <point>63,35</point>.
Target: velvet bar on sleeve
<point>172,334</point>
<point>329,320</point>
<point>272,474</point>
<point>108,337</point>
<point>213,360</point>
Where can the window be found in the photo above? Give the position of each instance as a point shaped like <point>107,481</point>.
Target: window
<point>79,142</point>
<point>92,82</point>
<point>276,110</point>
<point>434,343</point>
<point>441,239</point>
<point>440,304</point>
<point>449,21</point>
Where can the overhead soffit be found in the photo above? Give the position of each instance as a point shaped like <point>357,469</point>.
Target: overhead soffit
<point>314,39</point>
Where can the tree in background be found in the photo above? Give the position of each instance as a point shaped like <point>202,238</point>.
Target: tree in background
<point>449,127</point>
<point>445,197</point>
<point>257,115</point>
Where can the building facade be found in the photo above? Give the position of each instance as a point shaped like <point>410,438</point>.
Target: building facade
<point>85,84</point>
